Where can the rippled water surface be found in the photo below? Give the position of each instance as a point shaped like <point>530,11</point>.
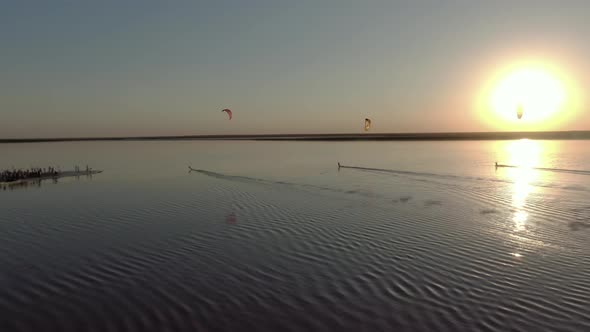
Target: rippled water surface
<point>272,236</point>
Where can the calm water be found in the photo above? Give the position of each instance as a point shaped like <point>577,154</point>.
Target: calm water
<point>271,236</point>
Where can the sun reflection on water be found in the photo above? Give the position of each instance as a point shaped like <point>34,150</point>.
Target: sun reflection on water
<point>525,156</point>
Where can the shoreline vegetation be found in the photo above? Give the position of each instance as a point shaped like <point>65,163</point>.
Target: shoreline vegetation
<point>436,136</point>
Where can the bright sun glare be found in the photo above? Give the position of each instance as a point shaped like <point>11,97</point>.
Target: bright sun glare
<point>543,94</point>
<point>535,90</point>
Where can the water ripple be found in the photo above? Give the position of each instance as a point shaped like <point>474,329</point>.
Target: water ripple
<point>298,257</point>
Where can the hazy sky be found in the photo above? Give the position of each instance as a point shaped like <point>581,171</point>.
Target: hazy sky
<point>82,68</point>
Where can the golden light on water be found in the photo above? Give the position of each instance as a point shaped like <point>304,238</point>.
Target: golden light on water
<point>544,93</point>
<point>524,155</point>
<point>524,158</point>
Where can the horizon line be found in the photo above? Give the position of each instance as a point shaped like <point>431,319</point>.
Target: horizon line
<point>412,136</point>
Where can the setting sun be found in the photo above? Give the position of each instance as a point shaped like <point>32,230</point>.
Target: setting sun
<point>534,90</point>
<point>528,96</point>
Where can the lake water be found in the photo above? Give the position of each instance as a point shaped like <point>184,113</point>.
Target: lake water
<point>272,236</point>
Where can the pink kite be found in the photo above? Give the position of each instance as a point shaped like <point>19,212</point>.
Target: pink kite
<point>228,111</point>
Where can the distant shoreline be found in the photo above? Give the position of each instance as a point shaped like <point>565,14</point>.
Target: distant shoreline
<point>457,136</point>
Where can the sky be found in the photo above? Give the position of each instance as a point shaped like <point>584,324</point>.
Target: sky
<point>128,68</point>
